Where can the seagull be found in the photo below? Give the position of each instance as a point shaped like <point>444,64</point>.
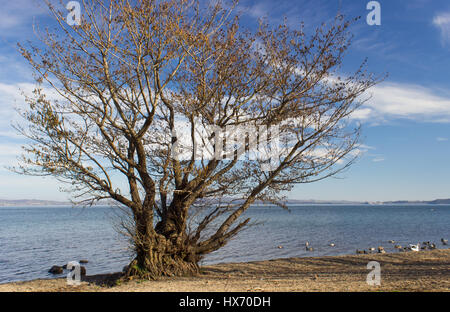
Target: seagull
<point>332,245</point>
<point>415,247</point>
<point>444,241</point>
<point>307,244</point>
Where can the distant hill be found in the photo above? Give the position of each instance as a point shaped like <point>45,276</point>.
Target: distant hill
<point>347,202</point>
<point>441,201</point>
<point>419,202</point>
<point>31,202</point>
<point>36,202</point>
<point>323,202</point>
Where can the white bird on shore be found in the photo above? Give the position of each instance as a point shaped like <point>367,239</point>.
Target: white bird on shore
<point>414,247</point>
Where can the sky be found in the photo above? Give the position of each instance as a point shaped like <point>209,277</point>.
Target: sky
<point>406,123</point>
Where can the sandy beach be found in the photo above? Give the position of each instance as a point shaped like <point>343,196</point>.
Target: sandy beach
<point>408,271</point>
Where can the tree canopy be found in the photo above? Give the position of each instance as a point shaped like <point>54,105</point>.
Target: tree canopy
<point>173,110</point>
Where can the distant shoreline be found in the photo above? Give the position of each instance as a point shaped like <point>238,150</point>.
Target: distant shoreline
<point>45,203</point>
<point>409,271</point>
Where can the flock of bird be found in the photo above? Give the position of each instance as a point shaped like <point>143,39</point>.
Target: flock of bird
<point>380,249</point>
<point>411,247</point>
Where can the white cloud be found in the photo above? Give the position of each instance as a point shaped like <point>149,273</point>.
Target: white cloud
<point>257,10</point>
<point>365,147</point>
<point>442,21</point>
<point>440,139</point>
<point>395,100</point>
<point>362,113</point>
<point>10,149</point>
<point>11,98</point>
<point>368,151</point>
<point>310,12</point>
<point>9,152</point>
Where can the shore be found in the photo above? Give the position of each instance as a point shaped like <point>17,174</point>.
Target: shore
<point>407,271</point>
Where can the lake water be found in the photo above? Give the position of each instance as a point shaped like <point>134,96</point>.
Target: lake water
<point>32,239</point>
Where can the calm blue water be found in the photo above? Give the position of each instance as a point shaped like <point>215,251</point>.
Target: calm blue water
<point>34,239</point>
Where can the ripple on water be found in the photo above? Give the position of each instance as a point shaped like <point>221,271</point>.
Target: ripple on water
<point>34,239</point>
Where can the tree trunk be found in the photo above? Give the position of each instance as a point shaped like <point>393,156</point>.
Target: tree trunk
<point>155,264</point>
<point>160,252</point>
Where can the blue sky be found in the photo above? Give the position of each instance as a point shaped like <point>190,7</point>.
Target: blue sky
<point>406,124</point>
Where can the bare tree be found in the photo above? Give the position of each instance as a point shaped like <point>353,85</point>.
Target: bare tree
<point>126,78</point>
